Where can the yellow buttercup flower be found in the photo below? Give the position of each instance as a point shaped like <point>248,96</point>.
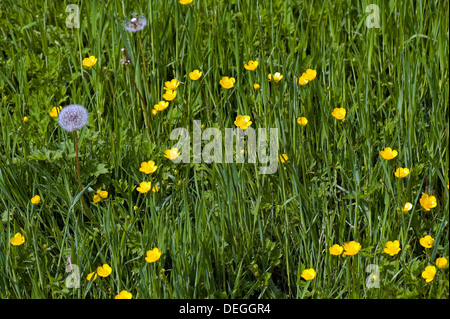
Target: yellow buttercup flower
<point>153,255</point>
<point>351,248</point>
<point>251,66</point>
<point>339,113</point>
<point>336,250</point>
<point>124,294</point>
<point>408,206</point>
<point>256,86</point>
<point>170,95</point>
<point>155,189</point>
<point>429,273</point>
<point>89,276</point>
<point>17,240</point>
<point>441,262</point>
<point>144,187</point>
<point>392,247</point>
<point>96,199</point>
<point>388,153</point>
<point>162,105</point>
<point>35,200</point>
<point>276,77</point>
<point>227,82</point>
<point>303,80</point>
<point>426,241</point>
<point>154,112</point>
<point>186,1</point>
<point>307,76</point>
<point>308,274</point>
<point>428,202</point>
<point>283,158</point>
<point>243,121</point>
<point>103,194</point>
<point>55,111</point>
<point>148,167</point>
<point>310,74</point>
<point>171,85</point>
<point>401,172</point>
<point>104,271</point>
<point>302,121</point>
<point>195,75</point>
<point>90,62</point>
<point>25,119</point>
<point>172,153</point>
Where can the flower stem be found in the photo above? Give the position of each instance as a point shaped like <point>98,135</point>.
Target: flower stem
<point>143,61</point>
<point>79,178</point>
<point>77,161</point>
<point>144,105</point>
<point>305,289</point>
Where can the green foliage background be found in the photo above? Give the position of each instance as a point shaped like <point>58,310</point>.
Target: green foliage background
<point>224,230</point>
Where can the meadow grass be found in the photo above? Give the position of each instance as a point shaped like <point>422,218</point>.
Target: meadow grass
<point>224,230</point>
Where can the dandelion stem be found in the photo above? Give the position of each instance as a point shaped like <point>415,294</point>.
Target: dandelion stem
<point>144,106</point>
<point>79,178</point>
<point>143,61</point>
<point>77,161</point>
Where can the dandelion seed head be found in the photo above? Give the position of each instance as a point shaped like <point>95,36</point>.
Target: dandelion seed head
<point>125,59</point>
<point>73,117</point>
<point>136,23</point>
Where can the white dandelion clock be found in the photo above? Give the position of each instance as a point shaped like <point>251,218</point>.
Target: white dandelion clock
<point>73,117</point>
<point>135,23</point>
